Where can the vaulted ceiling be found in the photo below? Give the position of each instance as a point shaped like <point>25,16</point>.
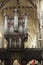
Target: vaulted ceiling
<point>2,3</point>
<point>18,2</point>
<point>28,6</point>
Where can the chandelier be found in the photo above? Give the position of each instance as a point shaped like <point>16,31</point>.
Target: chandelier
<point>15,28</point>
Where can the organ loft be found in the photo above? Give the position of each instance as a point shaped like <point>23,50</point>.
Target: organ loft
<point>21,32</point>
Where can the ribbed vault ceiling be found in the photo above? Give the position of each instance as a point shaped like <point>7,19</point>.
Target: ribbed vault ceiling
<point>18,2</point>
